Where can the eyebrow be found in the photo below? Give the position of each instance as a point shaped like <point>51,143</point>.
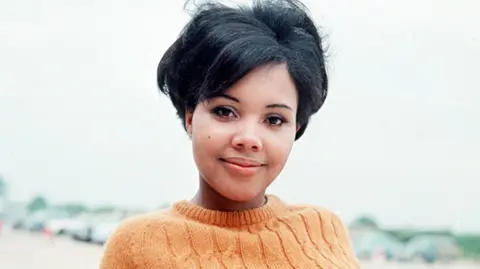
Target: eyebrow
<point>278,106</point>
<point>229,97</point>
<point>226,96</point>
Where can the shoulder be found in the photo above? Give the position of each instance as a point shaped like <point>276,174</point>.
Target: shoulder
<point>318,217</point>
<point>124,245</point>
<point>324,215</point>
<point>326,229</point>
<point>134,228</point>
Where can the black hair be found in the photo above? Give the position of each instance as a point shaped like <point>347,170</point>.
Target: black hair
<point>221,44</point>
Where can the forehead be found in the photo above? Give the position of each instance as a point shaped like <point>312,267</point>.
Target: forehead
<point>269,83</point>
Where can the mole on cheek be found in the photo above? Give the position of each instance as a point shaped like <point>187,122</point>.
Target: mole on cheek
<point>208,137</point>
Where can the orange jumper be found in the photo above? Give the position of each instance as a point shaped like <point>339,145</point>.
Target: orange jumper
<point>273,236</point>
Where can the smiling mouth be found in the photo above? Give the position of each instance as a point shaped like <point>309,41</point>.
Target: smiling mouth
<point>244,163</point>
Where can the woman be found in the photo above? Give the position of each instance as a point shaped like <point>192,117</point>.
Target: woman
<point>244,82</point>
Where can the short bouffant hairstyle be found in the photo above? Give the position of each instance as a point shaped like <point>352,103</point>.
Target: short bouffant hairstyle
<point>221,44</point>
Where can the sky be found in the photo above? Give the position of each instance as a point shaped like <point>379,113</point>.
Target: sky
<point>81,118</point>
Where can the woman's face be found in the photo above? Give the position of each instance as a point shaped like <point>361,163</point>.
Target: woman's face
<point>241,140</point>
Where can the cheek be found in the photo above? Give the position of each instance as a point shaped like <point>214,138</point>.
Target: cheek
<point>279,154</point>
<point>278,150</point>
<point>207,137</point>
<point>201,135</point>
<point>203,128</point>
<point>202,147</point>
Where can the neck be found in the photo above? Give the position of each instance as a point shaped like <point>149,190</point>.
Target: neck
<point>208,198</point>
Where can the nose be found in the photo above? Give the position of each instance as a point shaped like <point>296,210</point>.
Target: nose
<point>247,138</point>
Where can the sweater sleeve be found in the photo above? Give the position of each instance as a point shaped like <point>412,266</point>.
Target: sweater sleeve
<point>118,252</point>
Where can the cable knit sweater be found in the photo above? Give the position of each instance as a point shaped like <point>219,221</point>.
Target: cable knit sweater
<point>273,236</point>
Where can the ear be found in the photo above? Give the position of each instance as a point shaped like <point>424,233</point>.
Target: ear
<point>298,127</point>
<point>188,122</point>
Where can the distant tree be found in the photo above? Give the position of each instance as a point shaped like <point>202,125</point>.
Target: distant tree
<point>74,208</point>
<point>103,209</point>
<point>37,203</point>
<point>365,222</point>
<point>404,235</point>
<point>3,186</point>
<point>470,244</point>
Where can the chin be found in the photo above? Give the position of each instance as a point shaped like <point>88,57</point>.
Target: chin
<point>241,196</point>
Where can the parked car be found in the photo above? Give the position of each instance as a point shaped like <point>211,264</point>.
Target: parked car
<point>84,231</point>
<point>39,220</point>
<point>376,244</point>
<point>19,223</point>
<point>433,248</point>
<point>102,231</point>
<point>36,221</point>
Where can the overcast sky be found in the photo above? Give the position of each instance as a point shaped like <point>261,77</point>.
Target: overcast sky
<point>399,136</point>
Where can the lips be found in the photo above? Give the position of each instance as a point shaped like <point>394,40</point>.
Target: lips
<point>243,162</point>
<point>242,167</point>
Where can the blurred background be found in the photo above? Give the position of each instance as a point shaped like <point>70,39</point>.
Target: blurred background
<point>86,139</point>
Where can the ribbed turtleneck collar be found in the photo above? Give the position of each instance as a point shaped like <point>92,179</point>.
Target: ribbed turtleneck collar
<point>273,207</point>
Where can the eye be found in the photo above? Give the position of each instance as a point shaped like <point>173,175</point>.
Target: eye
<point>223,112</point>
<point>275,120</point>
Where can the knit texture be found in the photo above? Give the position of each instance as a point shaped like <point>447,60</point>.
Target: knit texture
<point>273,236</point>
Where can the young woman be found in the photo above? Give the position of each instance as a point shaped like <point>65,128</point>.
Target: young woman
<point>244,82</point>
